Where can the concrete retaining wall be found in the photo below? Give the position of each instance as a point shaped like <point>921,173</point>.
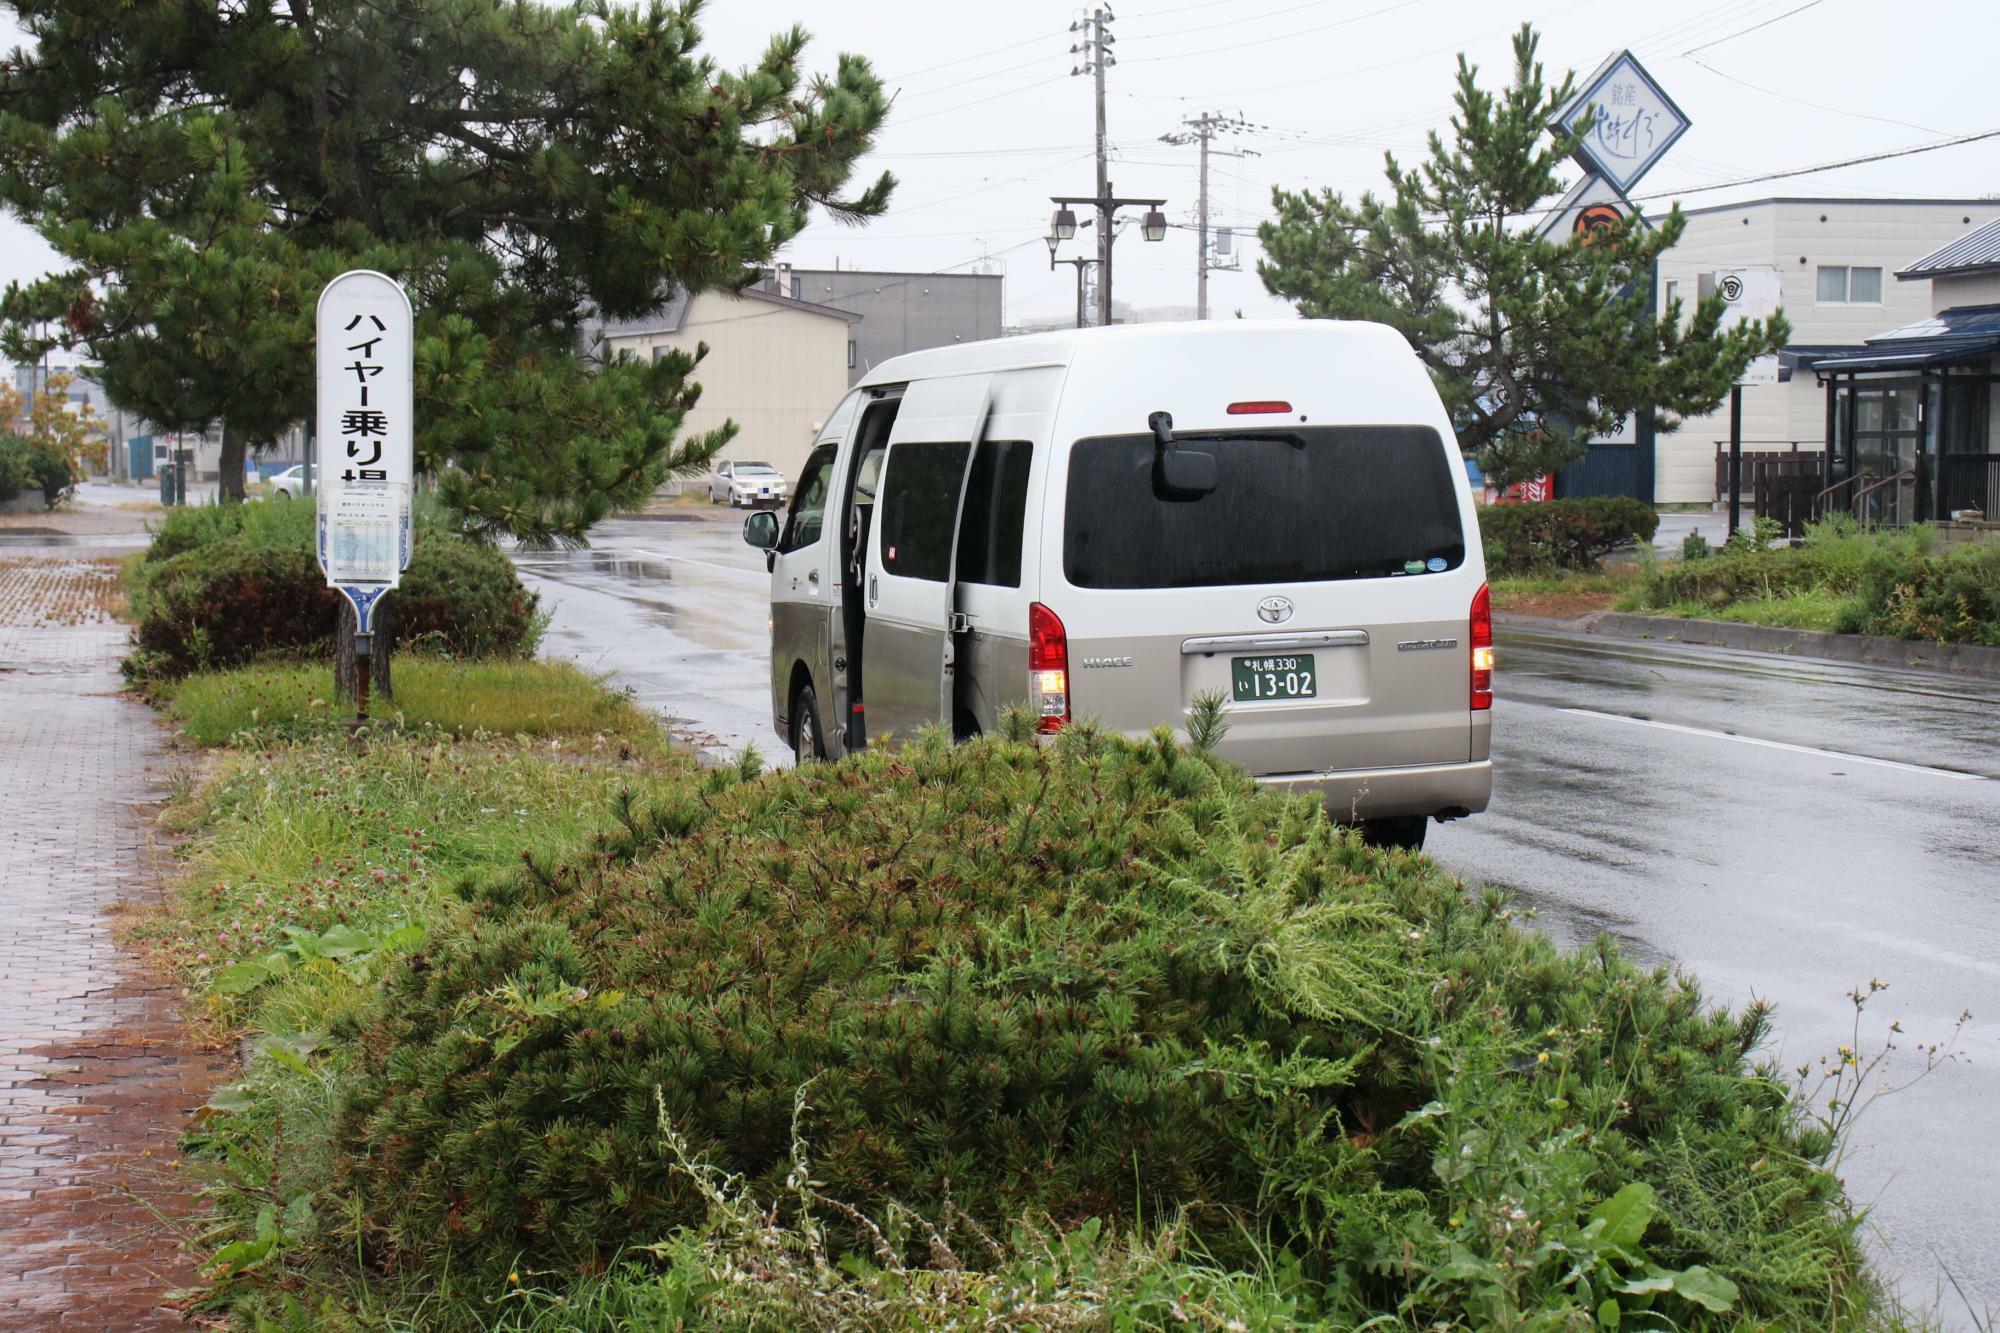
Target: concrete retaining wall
<point>1965,658</point>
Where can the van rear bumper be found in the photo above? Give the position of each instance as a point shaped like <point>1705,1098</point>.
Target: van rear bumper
<point>1444,790</point>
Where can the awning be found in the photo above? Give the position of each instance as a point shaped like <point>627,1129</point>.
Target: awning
<point>1912,359</point>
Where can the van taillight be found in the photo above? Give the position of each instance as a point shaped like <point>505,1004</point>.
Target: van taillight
<point>1482,648</point>
<point>1048,668</point>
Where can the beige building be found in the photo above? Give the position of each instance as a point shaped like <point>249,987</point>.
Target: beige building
<point>1836,260</point>
<point>776,366</point>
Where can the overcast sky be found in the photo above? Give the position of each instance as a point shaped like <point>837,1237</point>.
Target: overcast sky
<point>988,121</point>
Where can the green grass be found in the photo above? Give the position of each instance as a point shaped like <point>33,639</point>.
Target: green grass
<point>541,700</point>
<point>1563,594</point>
<point>1813,608</point>
<point>316,859</point>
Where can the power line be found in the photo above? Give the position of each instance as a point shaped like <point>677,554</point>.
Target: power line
<point>1826,166</point>
<point>1277,37</point>
<point>1760,179</point>
<point>1816,106</point>
<point>1236,21</point>
<point>1458,45</point>
<point>1809,4</point>
<point>976,78</point>
<point>981,189</point>
<point>962,106</point>
<point>991,51</point>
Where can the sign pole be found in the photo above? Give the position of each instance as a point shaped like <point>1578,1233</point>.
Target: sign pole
<point>364,436</point>
<point>364,653</point>
<point>1735,457</point>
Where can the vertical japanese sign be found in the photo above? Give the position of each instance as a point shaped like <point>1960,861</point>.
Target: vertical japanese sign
<point>366,433</point>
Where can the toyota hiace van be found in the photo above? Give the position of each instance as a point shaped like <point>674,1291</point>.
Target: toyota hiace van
<point>1108,522</point>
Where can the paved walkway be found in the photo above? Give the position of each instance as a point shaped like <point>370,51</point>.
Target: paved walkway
<point>96,1076</point>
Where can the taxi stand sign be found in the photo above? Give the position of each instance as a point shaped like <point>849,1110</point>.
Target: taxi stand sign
<point>365,428</point>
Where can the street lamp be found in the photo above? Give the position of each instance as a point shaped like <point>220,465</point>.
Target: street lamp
<point>1063,225</point>
<point>1107,204</point>
<point>1054,239</point>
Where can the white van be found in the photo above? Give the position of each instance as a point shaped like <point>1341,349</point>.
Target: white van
<point>1107,522</point>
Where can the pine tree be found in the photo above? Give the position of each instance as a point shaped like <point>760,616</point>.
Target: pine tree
<point>205,168</point>
<point>1535,344</point>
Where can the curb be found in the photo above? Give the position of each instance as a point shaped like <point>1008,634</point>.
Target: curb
<point>1867,649</point>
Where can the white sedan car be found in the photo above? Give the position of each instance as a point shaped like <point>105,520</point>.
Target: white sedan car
<point>748,484</point>
<point>291,483</point>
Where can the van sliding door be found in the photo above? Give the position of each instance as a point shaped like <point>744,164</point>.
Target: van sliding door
<point>908,593</point>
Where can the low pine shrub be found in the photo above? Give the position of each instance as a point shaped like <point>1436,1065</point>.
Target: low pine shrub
<point>1093,979</point>
<point>1562,534</point>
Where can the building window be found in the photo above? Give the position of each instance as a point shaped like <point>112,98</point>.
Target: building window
<point>1841,285</point>
<point>850,353</point>
<point>1673,293</point>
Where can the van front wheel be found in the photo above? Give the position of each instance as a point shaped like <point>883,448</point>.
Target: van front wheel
<point>1404,831</point>
<point>808,741</point>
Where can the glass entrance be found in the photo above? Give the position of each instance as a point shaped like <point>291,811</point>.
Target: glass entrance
<point>1888,441</point>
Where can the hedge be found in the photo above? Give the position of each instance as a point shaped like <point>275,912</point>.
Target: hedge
<point>223,585</point>
<point>1562,534</point>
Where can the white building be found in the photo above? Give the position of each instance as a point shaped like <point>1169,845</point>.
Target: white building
<point>776,366</point>
<point>1836,260</point>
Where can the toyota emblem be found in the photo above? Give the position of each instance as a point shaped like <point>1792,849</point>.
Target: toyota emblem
<point>1274,610</point>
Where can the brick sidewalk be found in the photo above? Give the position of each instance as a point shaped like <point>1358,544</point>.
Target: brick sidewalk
<point>96,1074</point>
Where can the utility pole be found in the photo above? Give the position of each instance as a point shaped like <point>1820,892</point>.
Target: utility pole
<point>1095,48</point>
<point>1201,130</point>
<point>1100,44</point>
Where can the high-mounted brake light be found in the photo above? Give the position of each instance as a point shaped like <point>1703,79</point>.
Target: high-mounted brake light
<point>1259,407</point>
<point>1048,668</point>
<point>1482,649</point>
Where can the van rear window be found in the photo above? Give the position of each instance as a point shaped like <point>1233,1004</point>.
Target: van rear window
<point>1297,505</point>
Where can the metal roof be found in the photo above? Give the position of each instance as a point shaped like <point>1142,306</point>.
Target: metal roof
<point>1976,250</point>
<point>1966,333</point>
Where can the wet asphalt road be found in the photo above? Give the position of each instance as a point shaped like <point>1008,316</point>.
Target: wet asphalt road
<point>1781,828</point>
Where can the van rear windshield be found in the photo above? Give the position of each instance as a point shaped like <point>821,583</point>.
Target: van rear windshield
<point>1300,505</point>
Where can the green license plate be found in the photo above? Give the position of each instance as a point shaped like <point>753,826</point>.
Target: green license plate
<point>1254,679</point>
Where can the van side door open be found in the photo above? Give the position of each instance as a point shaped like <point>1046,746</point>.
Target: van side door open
<point>908,645</point>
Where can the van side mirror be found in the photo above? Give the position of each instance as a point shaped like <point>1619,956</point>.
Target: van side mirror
<point>761,530</point>
<point>1179,473</point>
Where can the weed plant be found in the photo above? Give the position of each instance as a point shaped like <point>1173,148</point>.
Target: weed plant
<point>1842,577</point>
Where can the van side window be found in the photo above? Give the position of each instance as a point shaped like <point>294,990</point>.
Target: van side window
<point>918,505</point>
<point>808,514</point>
<point>996,506</point>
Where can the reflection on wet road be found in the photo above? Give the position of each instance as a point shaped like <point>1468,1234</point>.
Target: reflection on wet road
<point>674,609</point>
<point>1784,829</point>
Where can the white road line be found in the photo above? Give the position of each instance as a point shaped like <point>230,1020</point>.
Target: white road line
<point>1777,745</point>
